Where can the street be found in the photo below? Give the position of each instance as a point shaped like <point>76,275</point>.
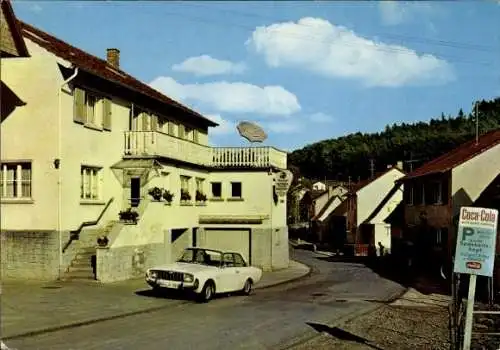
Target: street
<point>269,318</point>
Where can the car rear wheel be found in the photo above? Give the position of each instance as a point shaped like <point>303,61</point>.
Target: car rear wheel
<point>247,288</point>
<point>207,293</point>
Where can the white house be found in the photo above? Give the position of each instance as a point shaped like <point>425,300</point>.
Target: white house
<point>92,141</point>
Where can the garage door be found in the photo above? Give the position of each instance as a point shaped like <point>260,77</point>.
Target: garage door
<point>234,240</point>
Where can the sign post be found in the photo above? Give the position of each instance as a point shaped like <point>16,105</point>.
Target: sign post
<point>475,253</point>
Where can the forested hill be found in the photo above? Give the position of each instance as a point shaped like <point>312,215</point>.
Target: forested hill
<point>412,143</point>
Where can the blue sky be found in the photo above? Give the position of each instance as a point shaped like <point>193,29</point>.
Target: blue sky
<point>305,71</point>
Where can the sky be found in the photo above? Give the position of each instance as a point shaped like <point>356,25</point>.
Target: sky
<point>303,71</point>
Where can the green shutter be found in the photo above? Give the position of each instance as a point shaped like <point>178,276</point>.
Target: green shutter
<point>79,114</point>
<point>106,114</point>
<point>182,131</point>
<point>196,137</point>
<point>154,122</point>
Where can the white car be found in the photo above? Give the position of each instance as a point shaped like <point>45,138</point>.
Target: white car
<point>205,272</point>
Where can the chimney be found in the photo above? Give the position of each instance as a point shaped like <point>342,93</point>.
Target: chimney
<point>113,57</point>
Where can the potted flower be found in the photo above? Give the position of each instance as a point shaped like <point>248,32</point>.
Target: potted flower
<point>168,196</point>
<point>185,196</point>
<point>156,193</point>
<point>200,197</point>
<point>102,241</point>
<point>129,216</point>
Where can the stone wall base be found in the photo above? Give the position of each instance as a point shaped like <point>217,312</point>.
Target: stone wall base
<point>123,263</point>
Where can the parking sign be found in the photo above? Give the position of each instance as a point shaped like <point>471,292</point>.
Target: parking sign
<point>476,241</point>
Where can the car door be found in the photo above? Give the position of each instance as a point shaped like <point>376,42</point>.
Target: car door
<point>240,271</point>
<point>228,273</point>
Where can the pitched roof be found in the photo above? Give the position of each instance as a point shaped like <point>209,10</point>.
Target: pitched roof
<point>457,156</point>
<point>101,68</point>
<point>14,27</point>
<point>382,203</point>
<point>355,187</point>
<point>325,207</point>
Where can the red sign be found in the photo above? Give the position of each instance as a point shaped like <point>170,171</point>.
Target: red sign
<point>473,265</point>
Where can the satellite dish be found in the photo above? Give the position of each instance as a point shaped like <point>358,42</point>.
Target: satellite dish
<point>252,132</point>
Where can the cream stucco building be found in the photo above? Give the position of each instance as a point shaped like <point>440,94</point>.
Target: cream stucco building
<point>92,141</point>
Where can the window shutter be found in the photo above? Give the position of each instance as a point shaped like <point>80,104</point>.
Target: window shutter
<point>79,106</point>
<point>182,131</point>
<point>154,122</point>
<point>106,114</point>
<point>196,137</point>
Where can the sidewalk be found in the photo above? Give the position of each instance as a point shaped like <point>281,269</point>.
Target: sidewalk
<point>39,307</point>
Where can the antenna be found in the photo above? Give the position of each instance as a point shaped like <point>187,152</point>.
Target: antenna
<point>477,122</point>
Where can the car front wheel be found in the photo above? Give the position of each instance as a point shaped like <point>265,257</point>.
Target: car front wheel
<point>207,293</point>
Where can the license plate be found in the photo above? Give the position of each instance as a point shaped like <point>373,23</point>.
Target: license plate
<point>168,284</point>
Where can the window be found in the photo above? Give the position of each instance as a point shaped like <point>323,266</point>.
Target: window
<point>16,180</point>
<point>236,189</point>
<point>90,184</point>
<point>433,192</point>
<point>185,183</point>
<point>238,261</point>
<point>91,110</point>
<point>228,260</point>
<point>216,189</point>
<point>199,184</point>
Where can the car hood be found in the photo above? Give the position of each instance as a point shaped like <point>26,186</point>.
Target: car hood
<point>184,267</point>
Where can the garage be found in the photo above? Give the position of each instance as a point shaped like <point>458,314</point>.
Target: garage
<point>231,239</point>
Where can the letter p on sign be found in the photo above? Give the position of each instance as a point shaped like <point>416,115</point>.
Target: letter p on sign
<point>467,231</point>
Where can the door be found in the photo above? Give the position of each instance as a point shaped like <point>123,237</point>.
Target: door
<point>228,240</point>
<point>135,191</point>
<point>228,275</point>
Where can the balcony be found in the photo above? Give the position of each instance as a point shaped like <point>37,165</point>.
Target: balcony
<point>155,144</point>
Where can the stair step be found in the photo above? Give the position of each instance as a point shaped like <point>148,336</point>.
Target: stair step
<point>80,269</point>
<point>87,250</point>
<point>85,274</point>
<point>80,263</point>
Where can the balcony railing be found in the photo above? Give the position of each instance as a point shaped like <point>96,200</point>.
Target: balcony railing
<point>150,143</point>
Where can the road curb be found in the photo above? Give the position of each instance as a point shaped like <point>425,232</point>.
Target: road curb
<point>132,313</point>
<point>294,279</point>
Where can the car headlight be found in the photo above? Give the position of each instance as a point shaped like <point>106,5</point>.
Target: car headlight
<point>151,274</point>
<point>188,278</point>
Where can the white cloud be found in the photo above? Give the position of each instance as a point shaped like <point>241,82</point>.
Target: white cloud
<point>333,51</point>
<point>232,97</point>
<point>205,65</point>
<point>321,118</point>
<point>395,12</point>
<point>225,126</point>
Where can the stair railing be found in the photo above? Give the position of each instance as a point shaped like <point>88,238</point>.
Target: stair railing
<point>74,235</point>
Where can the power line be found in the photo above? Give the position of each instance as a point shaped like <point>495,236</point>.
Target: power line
<point>309,38</point>
<point>440,42</point>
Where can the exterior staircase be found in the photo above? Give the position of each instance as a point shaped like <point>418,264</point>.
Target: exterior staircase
<point>81,267</point>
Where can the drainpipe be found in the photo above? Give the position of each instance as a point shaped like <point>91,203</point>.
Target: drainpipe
<point>59,176</point>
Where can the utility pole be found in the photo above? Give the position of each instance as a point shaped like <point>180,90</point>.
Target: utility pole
<point>411,161</point>
<point>477,122</point>
<point>372,167</point>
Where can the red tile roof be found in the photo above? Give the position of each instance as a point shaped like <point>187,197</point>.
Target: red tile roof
<point>15,29</point>
<point>101,68</point>
<point>459,155</point>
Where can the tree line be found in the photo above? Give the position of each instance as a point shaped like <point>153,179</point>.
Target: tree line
<point>413,143</point>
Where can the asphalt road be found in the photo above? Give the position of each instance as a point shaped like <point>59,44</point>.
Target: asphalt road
<point>265,320</point>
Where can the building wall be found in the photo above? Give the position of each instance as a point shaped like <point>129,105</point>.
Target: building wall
<point>370,196</point>
<point>28,134</point>
<point>472,177</point>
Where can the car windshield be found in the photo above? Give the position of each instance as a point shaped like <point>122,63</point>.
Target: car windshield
<point>201,256</point>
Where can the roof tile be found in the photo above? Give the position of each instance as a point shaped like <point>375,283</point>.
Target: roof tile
<point>100,67</point>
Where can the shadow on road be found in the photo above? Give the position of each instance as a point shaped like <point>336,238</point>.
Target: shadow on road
<point>341,334</point>
<point>166,294</point>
